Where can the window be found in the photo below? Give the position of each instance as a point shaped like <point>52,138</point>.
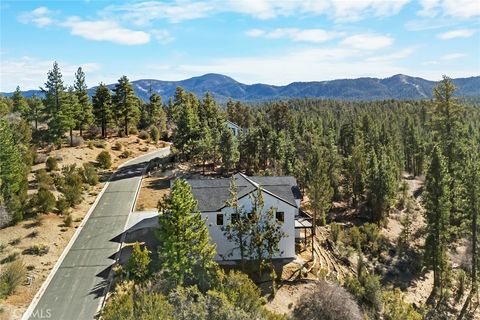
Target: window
<point>220,219</point>
<point>280,216</point>
<point>235,217</point>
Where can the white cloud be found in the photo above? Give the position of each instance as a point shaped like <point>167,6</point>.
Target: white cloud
<point>162,35</point>
<point>368,41</point>
<point>40,16</point>
<point>393,56</point>
<point>34,72</point>
<point>142,13</point>
<point>453,56</point>
<point>454,8</point>
<point>307,35</point>
<point>103,30</point>
<point>461,33</point>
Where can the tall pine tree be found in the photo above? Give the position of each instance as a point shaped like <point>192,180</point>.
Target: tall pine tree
<point>84,116</point>
<point>126,104</point>
<point>102,108</point>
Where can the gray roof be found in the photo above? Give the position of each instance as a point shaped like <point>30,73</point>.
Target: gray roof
<point>212,194</point>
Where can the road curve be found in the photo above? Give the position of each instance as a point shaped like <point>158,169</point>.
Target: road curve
<point>76,286</point>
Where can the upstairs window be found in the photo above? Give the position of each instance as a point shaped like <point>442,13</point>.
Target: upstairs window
<point>235,217</point>
<point>220,219</point>
<point>280,216</point>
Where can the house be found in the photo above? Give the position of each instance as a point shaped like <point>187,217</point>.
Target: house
<point>281,193</point>
<point>234,127</point>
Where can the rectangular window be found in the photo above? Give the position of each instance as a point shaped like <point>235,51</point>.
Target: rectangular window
<point>220,219</point>
<point>235,217</point>
<point>280,216</point>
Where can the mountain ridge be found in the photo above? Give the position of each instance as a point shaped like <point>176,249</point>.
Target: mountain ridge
<point>222,87</point>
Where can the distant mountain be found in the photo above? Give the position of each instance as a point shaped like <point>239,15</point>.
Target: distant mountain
<point>222,87</point>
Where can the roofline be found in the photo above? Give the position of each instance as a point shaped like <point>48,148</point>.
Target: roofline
<point>233,123</point>
<point>256,185</point>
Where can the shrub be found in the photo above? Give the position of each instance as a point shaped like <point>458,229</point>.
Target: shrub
<point>104,160</point>
<point>327,302</point>
<point>396,309</point>
<point>373,291</point>
<point>37,250</point>
<point>132,130</point>
<point>44,180</point>
<point>90,144</point>
<point>33,234</point>
<point>117,146</point>
<point>10,258</point>
<point>62,205</point>
<point>77,141</point>
<point>100,144</point>
<point>336,232</point>
<point>40,158</point>
<point>11,278</point>
<point>241,291</point>
<point>89,174</point>
<point>154,134</point>
<point>137,265</point>
<point>120,133</point>
<point>125,154</point>
<point>143,135</point>
<point>44,201</point>
<point>72,190</point>
<point>68,220</point>
<point>51,164</point>
<point>14,241</point>
<point>2,247</point>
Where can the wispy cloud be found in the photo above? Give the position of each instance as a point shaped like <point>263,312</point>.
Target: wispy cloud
<point>453,56</point>
<point>34,72</point>
<point>142,13</point>
<point>162,35</point>
<point>40,16</point>
<point>103,30</point>
<point>404,53</point>
<point>455,8</point>
<point>461,33</point>
<point>295,34</point>
<point>368,41</point>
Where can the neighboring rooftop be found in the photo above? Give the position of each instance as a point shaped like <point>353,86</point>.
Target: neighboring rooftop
<point>212,194</point>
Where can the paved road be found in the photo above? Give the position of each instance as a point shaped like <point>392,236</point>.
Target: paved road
<point>76,289</point>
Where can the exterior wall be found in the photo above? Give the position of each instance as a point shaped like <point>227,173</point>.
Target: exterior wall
<point>235,129</point>
<point>226,250</point>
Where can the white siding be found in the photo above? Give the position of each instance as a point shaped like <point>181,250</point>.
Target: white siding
<point>226,249</point>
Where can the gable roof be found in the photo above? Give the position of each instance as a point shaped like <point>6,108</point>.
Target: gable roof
<point>212,194</point>
<point>234,124</point>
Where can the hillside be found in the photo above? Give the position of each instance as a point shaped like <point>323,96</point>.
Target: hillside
<point>222,87</point>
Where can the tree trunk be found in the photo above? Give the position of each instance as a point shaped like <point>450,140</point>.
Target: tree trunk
<point>126,126</point>
<point>71,137</point>
<point>81,131</point>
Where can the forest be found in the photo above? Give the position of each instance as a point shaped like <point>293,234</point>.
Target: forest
<point>346,156</point>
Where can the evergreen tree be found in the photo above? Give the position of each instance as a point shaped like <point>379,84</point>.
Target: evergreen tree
<point>186,133</point>
<point>437,211</point>
<point>35,110</point>
<point>126,103</point>
<point>238,229</point>
<point>137,265</point>
<point>228,150</point>
<point>71,110</point>
<point>319,189</point>
<point>155,112</point>
<point>13,173</point>
<point>185,252</point>
<point>19,102</point>
<point>102,108</point>
<point>84,116</point>
<point>58,115</point>
<point>205,147</point>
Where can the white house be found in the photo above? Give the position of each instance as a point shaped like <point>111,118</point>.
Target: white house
<point>281,193</point>
<point>234,127</point>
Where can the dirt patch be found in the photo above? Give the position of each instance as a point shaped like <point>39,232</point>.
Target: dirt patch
<point>51,231</point>
<point>288,297</point>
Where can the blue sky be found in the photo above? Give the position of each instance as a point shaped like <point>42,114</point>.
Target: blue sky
<point>275,42</point>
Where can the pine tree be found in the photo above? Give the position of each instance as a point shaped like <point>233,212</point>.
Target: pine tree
<point>35,110</point>
<point>319,189</point>
<point>19,102</point>
<point>238,229</point>
<point>71,111</point>
<point>13,173</point>
<point>56,112</point>
<point>185,252</point>
<point>437,211</point>
<point>102,108</point>
<point>126,103</point>
<point>84,116</point>
<point>186,133</point>
<point>205,147</point>
<point>228,150</point>
<point>156,114</point>
<point>137,265</point>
